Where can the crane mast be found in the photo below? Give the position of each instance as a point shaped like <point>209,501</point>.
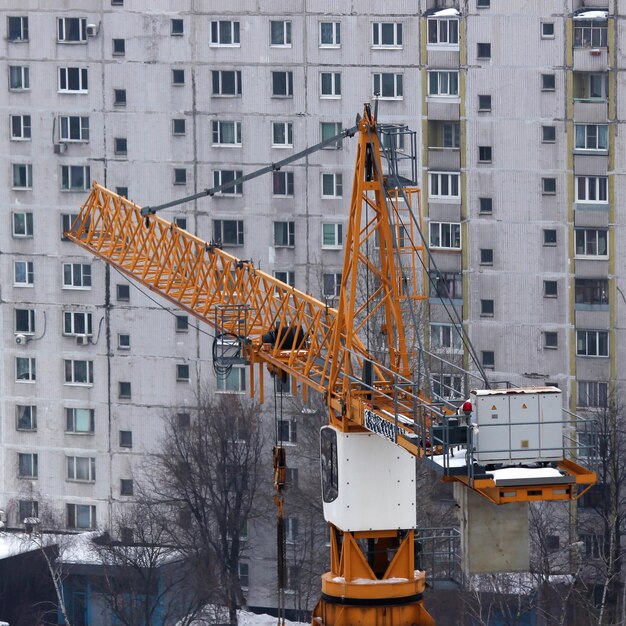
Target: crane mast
<point>379,421</point>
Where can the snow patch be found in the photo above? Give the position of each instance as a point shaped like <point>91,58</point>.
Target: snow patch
<point>592,15</point>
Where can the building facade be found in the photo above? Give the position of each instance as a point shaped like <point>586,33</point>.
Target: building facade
<point>517,105</point>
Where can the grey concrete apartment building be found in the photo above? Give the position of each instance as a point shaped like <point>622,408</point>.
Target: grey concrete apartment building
<point>518,108</point>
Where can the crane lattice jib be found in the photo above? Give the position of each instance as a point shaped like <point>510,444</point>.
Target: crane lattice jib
<point>317,345</point>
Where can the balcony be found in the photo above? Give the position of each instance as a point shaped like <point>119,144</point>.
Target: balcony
<point>590,93</point>
<point>591,40</point>
<point>444,139</point>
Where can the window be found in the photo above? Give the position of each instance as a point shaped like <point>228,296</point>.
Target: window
<point>226,83</point>
<point>224,177</point>
<point>282,135</point>
<point>119,97</point>
<point>19,77</point>
<point>282,183</point>
<point>590,33</point>
<point>332,185</point>
<point>287,431</point>
<point>593,545</point>
<point>592,393</point>
<point>77,323</point>
<point>284,234</point>
<point>291,530</point>
<point>126,438</point>
<point>591,189</point>
<point>82,468</point>
<point>27,465</point>
<point>386,35</point>
<point>550,340</point>
<point>331,285</point>
<point>25,321</point>
<point>548,186</point>
<point>484,103</point>
<point>124,390</point>
<point>548,134</point>
<point>547,30</point>
<point>483,50</point>
<point>27,508</point>
<point>443,31</point>
<point>233,382</point>
<point>17,28</point>
<point>592,242</point>
<point>287,277</point>
<point>330,34</point>
<point>73,80</point>
<point>23,274</point>
<point>280,33</point>
<point>126,487</point>
<point>26,417</point>
<point>79,421</point>
<point>446,285</point>
<point>592,343</point>
<point>591,87</point>
<point>444,185</point>
<point>549,237</point>
<point>330,84</point>
<point>445,337</point>
<point>485,154</point>
<point>332,236</point>
<point>123,293</point>
<point>73,128</point>
<point>180,176</point>
<point>78,372</point>
<point>443,83</point>
<point>119,47</point>
<point>76,276</point>
<point>22,176</point>
<point>483,4</point>
<point>550,288</point>
<point>67,219</point>
<point>81,516</point>
<point>228,232</point>
<point>548,82</point>
<point>183,420</point>
<point>451,134</point>
<point>22,224</point>
<point>244,574</point>
<point>20,127</point>
<point>591,137</point>
<point>445,235</point>
<point>329,130</point>
<point>485,206</point>
<point>226,133</point>
<point>177,27</point>
<point>123,341</point>
<point>488,359</point>
<point>225,33</point>
<point>388,86</point>
<point>120,145</point>
<point>178,77</point>
<point>178,126</point>
<point>486,256</point>
<point>282,84</point>
<point>182,323</point>
<point>447,386</point>
<point>591,291</point>
<point>486,308</point>
<point>75,177</point>
<point>182,372</point>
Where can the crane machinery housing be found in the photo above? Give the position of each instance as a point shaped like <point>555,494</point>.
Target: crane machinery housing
<point>508,445</point>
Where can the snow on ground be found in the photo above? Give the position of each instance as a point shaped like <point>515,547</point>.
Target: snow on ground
<point>247,618</point>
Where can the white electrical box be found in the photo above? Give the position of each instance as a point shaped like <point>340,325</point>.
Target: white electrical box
<point>368,482</point>
<point>519,425</point>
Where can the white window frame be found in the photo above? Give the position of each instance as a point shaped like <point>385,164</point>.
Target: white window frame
<point>441,182</point>
<point>282,184</point>
<point>77,465</point>
<point>284,129</point>
<point>336,279</point>
<point>591,137</point>
<point>22,224</point>
<point>289,428</point>
<point>75,417</point>
<point>64,30</point>
<point>334,230</point>
<point>23,28</point>
<point>78,511</point>
<point>291,530</point>
<point>336,128</point>
<point>445,338</point>
<point>591,239</point>
<point>73,128</point>
<point>284,234</point>
<point>330,85</point>
<point>288,74</point>
<point>591,189</point>
<point>25,369</point>
<point>29,273</point>
<point>240,232</point>
<point>444,232</point>
<point>23,127</point>
<point>77,323</point>
<point>222,130</point>
<point>587,339</point>
<point>230,37</point>
<point>446,36</point>
<point>336,181</point>
<point>77,276</point>
<point>450,386</point>
<point>592,394</point>
<point>66,75</point>
<point>180,374</point>
<point>22,74</point>
<point>280,39</point>
<point>286,276</point>
<point>72,374</point>
<point>22,173</point>
<point>381,32</point>
<point>447,83</point>
<point>32,459</point>
<point>26,413</point>
<point>68,177</point>
<point>233,382</point>
<point>217,81</point>
<point>335,35</point>
<point>28,328</point>
<point>221,177</point>
<point>380,85</point>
